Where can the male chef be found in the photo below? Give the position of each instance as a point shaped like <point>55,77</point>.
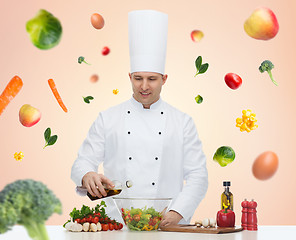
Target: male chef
<point>145,139</point>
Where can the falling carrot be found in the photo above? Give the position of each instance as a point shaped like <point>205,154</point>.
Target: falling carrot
<point>10,91</point>
<point>56,94</point>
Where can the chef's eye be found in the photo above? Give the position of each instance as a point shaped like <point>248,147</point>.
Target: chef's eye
<point>152,79</point>
<point>138,78</point>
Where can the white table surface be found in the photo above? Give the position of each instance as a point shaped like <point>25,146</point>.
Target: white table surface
<point>59,233</point>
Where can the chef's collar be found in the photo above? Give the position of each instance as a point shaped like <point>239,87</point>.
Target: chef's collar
<point>139,106</point>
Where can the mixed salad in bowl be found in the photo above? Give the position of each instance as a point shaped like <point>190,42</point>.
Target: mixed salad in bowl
<point>142,214</point>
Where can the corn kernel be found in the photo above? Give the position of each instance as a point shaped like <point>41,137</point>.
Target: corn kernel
<point>247,122</point>
<point>239,120</point>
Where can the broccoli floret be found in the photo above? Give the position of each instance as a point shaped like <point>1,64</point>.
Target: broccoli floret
<point>29,203</point>
<point>267,66</point>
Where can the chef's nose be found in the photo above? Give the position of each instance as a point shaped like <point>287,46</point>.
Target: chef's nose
<point>145,85</point>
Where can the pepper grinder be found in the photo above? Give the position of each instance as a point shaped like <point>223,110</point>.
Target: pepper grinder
<point>252,216</point>
<point>244,220</point>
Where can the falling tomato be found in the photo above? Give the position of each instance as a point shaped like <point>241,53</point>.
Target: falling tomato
<point>233,80</point>
<point>97,21</point>
<point>265,165</point>
<point>105,51</point>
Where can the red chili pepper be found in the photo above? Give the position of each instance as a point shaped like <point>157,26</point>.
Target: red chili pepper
<point>225,218</point>
<point>233,80</point>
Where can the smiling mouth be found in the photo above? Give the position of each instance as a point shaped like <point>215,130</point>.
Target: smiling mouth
<point>144,94</point>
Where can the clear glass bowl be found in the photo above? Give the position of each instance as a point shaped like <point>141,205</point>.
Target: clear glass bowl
<point>142,214</point>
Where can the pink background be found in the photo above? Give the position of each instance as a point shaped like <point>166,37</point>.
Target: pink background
<point>225,46</point>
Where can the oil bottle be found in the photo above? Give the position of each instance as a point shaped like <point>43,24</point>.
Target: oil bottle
<point>226,197</point>
<point>114,191</point>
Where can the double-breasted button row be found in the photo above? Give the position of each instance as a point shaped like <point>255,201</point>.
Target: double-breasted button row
<point>130,132</point>
<point>130,158</point>
<point>128,112</point>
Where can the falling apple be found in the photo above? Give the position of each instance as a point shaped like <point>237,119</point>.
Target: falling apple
<point>29,115</point>
<point>262,24</point>
<point>196,35</point>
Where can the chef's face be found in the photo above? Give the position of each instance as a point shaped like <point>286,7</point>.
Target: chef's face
<point>147,86</point>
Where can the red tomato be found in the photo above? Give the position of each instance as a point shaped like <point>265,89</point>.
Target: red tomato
<point>116,226</point>
<point>233,80</point>
<point>105,51</point>
<point>101,220</point>
<point>97,214</point>
<point>78,220</point>
<point>111,226</point>
<point>105,227</point>
<point>107,220</point>
<point>83,220</point>
<point>95,220</point>
<point>120,226</point>
<point>89,219</point>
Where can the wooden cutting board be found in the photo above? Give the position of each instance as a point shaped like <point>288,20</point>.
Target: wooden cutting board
<point>193,229</point>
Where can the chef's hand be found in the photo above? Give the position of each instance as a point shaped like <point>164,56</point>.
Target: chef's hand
<point>93,182</point>
<point>170,218</point>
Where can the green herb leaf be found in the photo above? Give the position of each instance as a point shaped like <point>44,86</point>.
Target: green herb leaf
<point>52,140</point>
<point>86,100</point>
<point>47,134</point>
<point>203,68</point>
<point>198,62</point>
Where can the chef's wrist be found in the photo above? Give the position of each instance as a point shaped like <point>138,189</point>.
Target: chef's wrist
<point>176,213</point>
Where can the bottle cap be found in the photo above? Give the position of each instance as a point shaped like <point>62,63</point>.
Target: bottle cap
<point>226,183</point>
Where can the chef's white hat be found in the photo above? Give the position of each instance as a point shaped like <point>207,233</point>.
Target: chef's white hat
<point>148,31</point>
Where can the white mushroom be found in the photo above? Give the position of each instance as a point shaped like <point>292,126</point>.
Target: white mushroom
<point>93,227</point>
<point>76,227</point>
<point>198,223</point>
<point>206,222</point>
<point>212,222</point>
<point>69,225</point>
<point>85,226</point>
<point>99,226</point>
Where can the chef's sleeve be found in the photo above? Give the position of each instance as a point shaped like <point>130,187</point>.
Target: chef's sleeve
<point>91,152</point>
<point>195,173</point>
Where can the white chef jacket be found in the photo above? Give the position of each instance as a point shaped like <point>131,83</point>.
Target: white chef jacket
<point>157,149</point>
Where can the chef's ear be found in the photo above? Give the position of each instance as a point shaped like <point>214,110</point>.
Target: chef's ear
<point>130,76</point>
<point>164,78</point>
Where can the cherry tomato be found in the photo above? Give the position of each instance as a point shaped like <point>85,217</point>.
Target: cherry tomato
<point>233,80</point>
<point>115,226</point>
<point>83,220</point>
<point>111,226</point>
<point>105,51</point>
<point>95,220</point>
<point>105,227</point>
<point>97,214</point>
<point>137,217</point>
<point>89,219</point>
<point>120,226</point>
<point>107,220</point>
<point>78,220</point>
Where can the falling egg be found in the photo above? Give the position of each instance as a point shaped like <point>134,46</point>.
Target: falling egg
<point>196,35</point>
<point>94,78</point>
<point>265,165</point>
<point>97,21</point>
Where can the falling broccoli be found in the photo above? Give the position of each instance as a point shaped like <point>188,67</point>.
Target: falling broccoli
<point>81,60</point>
<point>267,66</point>
<point>29,203</point>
